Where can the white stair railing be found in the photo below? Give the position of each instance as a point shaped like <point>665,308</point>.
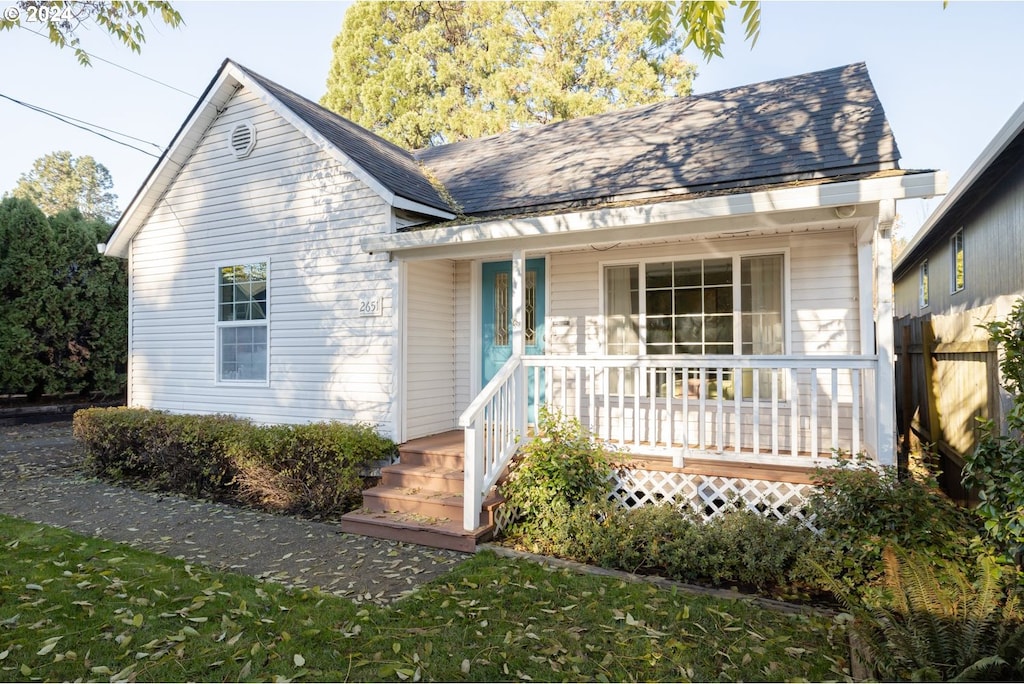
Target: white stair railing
<point>494,423</point>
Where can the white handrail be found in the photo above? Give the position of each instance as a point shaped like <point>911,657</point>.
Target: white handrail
<point>494,423</point>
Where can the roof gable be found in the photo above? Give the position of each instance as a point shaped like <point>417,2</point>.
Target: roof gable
<point>393,166</point>
<point>817,125</point>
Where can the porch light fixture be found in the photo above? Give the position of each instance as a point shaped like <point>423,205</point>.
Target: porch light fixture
<point>845,211</point>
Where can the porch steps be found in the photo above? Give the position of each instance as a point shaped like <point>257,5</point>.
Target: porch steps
<point>419,499</point>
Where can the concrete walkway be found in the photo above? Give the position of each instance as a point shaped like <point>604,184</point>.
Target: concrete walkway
<point>42,480</point>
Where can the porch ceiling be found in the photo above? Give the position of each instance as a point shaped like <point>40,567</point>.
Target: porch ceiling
<point>765,211</point>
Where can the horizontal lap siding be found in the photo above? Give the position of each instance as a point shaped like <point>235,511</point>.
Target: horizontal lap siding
<point>430,353</point>
<point>292,203</point>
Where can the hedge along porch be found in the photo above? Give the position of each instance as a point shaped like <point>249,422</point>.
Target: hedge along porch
<point>704,282</point>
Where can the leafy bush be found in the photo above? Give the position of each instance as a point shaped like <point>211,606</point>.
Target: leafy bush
<point>996,468</point>
<point>861,510</point>
<point>561,468</point>
<point>314,469</point>
<point>933,623</point>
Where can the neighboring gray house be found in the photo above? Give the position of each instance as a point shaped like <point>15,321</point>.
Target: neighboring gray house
<point>963,268</point>
<point>693,279</point>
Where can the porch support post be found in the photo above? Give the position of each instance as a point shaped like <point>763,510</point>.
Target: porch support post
<point>866,290</point>
<point>885,376</point>
<point>519,337</point>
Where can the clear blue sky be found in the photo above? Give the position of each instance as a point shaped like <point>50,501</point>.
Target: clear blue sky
<point>948,78</point>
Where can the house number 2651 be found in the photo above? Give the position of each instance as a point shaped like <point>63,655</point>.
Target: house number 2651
<point>371,307</point>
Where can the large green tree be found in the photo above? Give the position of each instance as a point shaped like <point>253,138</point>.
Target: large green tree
<point>62,20</point>
<point>63,307</point>
<point>30,316</point>
<point>422,73</point>
<point>61,182</point>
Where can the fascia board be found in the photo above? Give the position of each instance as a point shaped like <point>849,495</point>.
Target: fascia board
<point>167,167</point>
<point>588,223</point>
<point>335,153</point>
<point>1006,135</point>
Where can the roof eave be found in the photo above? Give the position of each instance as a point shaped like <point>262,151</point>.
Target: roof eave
<point>227,81</point>
<point>588,226</point>
<point>217,93</point>
<point>1013,128</point>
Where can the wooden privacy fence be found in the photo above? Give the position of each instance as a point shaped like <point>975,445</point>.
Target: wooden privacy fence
<point>942,389</point>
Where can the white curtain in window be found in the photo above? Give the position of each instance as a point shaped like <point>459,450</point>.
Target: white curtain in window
<point>621,323</point>
<point>763,308</point>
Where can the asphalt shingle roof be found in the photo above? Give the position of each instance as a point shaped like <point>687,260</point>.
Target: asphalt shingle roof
<point>817,125</point>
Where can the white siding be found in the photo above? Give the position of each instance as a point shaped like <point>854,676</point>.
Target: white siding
<point>464,336</point>
<point>300,208</point>
<point>430,353</point>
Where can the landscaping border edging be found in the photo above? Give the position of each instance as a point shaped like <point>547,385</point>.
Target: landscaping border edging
<point>583,568</point>
<point>44,413</point>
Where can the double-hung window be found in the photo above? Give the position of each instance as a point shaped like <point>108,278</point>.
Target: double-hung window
<point>242,322</point>
<point>922,285</point>
<point>726,306</point>
<point>957,276</point>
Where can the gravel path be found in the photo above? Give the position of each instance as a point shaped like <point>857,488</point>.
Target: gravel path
<point>41,480</point>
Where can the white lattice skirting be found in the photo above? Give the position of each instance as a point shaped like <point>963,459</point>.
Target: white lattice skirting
<point>711,495</point>
<point>707,496</point>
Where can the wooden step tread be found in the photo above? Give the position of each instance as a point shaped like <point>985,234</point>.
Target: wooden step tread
<point>415,529</point>
<point>424,494</point>
<point>426,470</point>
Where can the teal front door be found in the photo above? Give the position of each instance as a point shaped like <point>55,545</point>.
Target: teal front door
<point>496,318</point>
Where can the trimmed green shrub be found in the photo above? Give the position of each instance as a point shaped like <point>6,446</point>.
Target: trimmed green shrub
<point>563,467</point>
<point>315,469</point>
<point>862,510</point>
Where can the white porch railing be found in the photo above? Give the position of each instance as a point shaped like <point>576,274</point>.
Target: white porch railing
<point>770,410</point>
<point>494,423</point>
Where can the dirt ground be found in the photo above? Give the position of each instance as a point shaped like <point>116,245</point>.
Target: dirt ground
<point>42,480</point>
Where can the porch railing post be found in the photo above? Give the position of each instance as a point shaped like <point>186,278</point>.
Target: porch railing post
<point>521,398</point>
<point>474,444</point>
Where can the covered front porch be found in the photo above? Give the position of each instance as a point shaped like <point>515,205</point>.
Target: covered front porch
<point>748,333</point>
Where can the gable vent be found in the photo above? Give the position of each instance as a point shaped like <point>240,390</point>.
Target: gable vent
<point>243,139</point>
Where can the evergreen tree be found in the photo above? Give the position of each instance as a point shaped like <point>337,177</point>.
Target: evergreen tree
<point>427,73</point>
<point>30,306</point>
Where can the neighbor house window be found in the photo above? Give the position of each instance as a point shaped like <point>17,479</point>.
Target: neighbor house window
<point>695,306</point>
<point>242,322</point>
<point>922,290</point>
<point>956,275</point>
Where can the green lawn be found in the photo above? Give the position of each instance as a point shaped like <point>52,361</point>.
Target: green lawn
<point>74,607</point>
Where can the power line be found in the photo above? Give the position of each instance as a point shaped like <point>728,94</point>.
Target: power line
<point>69,120</point>
<point>123,68</point>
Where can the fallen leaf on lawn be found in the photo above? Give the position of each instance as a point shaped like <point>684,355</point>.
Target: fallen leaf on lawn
<point>298,660</point>
<point>49,645</point>
<point>465,666</point>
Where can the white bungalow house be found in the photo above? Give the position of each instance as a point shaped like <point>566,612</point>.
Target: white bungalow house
<point>705,282</point>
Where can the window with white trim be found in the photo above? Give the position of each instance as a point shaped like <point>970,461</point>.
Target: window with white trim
<point>242,322</point>
<point>957,274</point>
<point>731,305</point>
<point>922,285</point>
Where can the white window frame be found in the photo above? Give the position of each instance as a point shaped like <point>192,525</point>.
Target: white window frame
<point>737,318</point>
<point>953,289</point>
<point>922,285</point>
<point>220,325</point>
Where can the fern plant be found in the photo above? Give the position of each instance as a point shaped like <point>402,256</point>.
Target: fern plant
<point>933,623</point>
